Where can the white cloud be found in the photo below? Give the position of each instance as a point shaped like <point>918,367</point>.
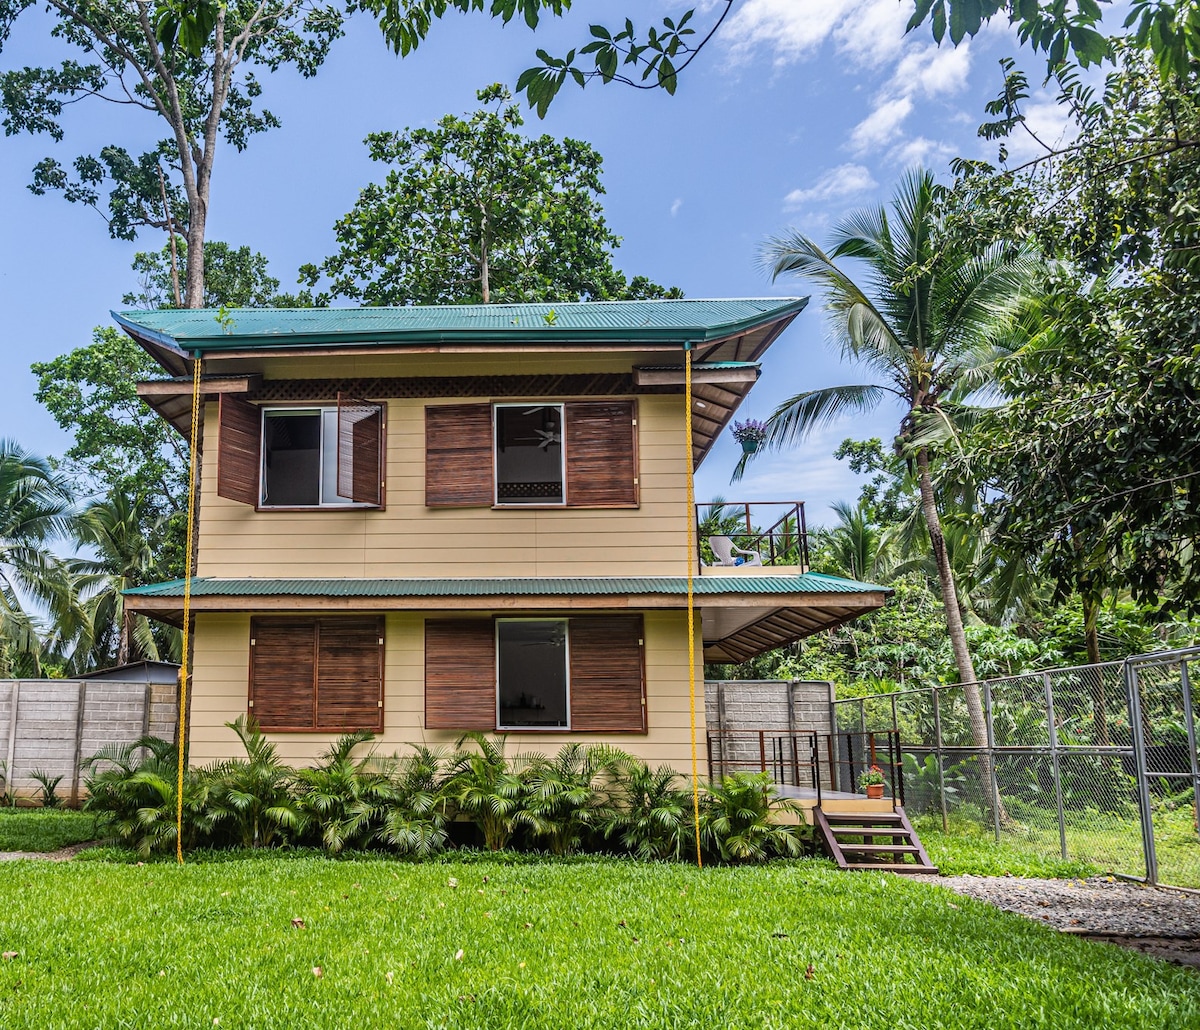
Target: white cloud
<point>842,181</point>
<point>789,28</point>
<point>920,151</point>
<point>874,32</point>
<point>676,204</point>
<point>881,126</point>
<point>933,71</point>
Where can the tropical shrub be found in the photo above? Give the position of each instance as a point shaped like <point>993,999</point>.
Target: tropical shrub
<point>47,788</point>
<point>250,797</point>
<point>488,790</point>
<point>569,796</point>
<point>345,800</point>
<point>415,823</point>
<point>738,820</point>
<point>653,811</point>
<point>132,790</point>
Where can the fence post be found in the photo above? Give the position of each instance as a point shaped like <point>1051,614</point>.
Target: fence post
<point>1133,693</point>
<point>78,743</point>
<point>11,761</point>
<point>991,753</point>
<point>941,760</point>
<point>1189,720</point>
<point>1058,799</point>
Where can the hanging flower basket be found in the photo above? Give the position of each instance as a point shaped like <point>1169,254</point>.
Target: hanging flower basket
<point>751,434</point>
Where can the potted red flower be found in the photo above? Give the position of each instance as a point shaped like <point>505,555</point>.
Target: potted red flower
<point>872,782</point>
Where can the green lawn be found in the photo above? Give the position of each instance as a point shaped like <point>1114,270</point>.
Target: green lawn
<point>528,944</point>
<point>39,829</point>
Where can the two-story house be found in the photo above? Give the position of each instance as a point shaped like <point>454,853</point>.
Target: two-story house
<point>423,521</point>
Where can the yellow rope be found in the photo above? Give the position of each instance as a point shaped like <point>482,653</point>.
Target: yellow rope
<point>187,606</point>
<point>691,598</point>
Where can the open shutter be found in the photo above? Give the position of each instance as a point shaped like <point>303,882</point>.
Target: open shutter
<point>350,674</point>
<point>460,674</point>
<point>283,670</point>
<point>601,454</point>
<point>239,449</point>
<point>458,456</point>
<point>608,680</point>
<point>360,450</point>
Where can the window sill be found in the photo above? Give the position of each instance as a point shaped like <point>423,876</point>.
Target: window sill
<point>318,507</point>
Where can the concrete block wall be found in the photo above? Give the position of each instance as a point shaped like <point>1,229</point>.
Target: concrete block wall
<point>61,723</point>
<point>737,709</point>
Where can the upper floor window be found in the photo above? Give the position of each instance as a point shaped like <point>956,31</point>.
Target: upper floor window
<point>574,454</point>
<point>301,457</point>
<point>529,454</point>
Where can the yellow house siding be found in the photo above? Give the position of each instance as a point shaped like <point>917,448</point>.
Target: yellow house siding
<point>409,540</point>
<point>221,678</point>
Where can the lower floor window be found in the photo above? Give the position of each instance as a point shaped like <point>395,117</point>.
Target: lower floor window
<point>317,674</point>
<point>531,673</point>
<point>585,674</point>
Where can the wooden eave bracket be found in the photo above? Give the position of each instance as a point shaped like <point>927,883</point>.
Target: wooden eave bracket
<point>172,398</point>
<point>675,377</point>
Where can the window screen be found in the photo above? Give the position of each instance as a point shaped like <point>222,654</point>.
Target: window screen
<point>529,454</point>
<point>532,673</point>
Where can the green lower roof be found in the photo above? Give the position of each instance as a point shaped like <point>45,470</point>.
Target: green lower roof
<point>631,321</point>
<point>589,586</point>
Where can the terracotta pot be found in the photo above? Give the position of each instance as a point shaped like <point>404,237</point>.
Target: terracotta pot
<point>875,790</point>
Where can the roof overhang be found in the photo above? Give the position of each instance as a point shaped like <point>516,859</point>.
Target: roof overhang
<point>741,616</point>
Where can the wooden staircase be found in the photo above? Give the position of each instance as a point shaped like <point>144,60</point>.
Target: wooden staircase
<point>872,840</point>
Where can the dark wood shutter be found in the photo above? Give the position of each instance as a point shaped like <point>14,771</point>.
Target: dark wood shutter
<point>360,450</point>
<point>239,449</point>
<point>608,679</point>
<point>601,454</point>
<point>283,665</point>
<point>460,674</point>
<point>458,456</point>
<point>350,674</point>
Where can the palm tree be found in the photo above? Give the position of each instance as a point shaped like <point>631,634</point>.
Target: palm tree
<point>857,546</point>
<point>35,507</point>
<point>930,322</point>
<point>122,531</point>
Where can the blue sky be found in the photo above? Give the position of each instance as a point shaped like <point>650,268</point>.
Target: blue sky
<point>800,111</point>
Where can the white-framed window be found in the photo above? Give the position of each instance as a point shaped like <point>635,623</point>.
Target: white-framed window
<point>533,688</point>
<point>528,454</point>
<point>300,458</point>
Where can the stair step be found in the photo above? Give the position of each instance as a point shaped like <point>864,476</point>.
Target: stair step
<point>879,831</point>
<point>881,849</point>
<point>862,817</point>
<point>847,826</point>
<point>891,867</point>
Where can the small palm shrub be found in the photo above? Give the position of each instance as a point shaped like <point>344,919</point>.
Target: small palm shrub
<point>47,788</point>
<point>569,796</point>
<point>131,791</point>
<point>486,788</point>
<point>652,815</point>
<point>738,820</point>
<point>344,800</point>
<point>250,797</point>
<point>422,804</point>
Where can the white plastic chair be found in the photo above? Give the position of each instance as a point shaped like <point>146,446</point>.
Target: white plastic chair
<point>723,550</point>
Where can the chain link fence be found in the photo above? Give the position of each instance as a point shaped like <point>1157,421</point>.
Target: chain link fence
<point>1096,764</point>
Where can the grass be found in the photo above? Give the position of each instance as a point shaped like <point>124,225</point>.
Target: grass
<point>41,829</point>
<point>530,944</point>
<point>970,848</point>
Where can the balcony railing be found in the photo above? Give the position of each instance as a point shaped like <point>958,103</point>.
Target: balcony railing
<point>775,531</point>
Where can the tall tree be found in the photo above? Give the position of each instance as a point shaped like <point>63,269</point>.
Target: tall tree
<point>124,534</point>
<point>930,321</point>
<point>35,508</point>
<point>474,211</point>
<point>190,64</point>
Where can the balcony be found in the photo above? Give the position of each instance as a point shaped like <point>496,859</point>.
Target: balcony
<point>752,538</point>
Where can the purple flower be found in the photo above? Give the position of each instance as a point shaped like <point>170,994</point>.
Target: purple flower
<point>751,430</point>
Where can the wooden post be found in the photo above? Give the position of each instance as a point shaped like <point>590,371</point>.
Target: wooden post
<point>146,710</point>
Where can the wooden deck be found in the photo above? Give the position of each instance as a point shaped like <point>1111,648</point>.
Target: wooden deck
<point>834,801</point>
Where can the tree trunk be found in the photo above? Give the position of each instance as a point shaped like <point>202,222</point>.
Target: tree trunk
<point>484,285</point>
<point>954,627</point>
<point>1091,636</point>
<point>195,256</point>
<point>123,644</point>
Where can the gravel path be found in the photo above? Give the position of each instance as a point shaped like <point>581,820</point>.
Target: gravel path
<point>61,855</point>
<point>1156,920</point>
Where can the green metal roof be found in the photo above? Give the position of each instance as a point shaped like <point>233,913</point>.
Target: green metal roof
<point>633,321</point>
<point>591,586</point>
